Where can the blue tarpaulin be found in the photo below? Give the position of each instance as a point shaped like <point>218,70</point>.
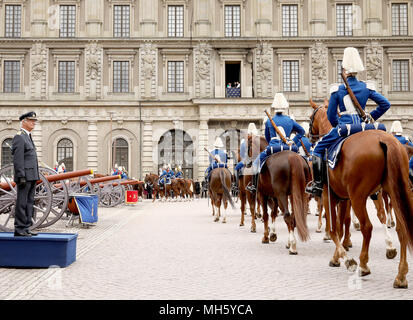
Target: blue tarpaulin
<point>88,207</point>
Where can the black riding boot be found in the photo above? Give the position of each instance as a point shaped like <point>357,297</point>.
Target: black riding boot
<point>411,175</point>
<point>316,187</point>
<point>252,186</point>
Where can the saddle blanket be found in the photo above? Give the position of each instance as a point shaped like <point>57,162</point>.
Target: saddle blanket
<point>345,131</point>
<point>275,149</point>
<point>218,165</point>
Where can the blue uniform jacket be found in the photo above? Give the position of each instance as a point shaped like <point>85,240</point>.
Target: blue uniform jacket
<point>179,174</point>
<point>403,140</point>
<point>222,156</point>
<point>342,100</point>
<point>288,125</point>
<point>243,153</point>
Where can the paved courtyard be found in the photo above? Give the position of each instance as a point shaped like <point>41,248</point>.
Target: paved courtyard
<point>175,251</point>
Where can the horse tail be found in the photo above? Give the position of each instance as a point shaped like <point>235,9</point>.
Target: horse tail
<point>190,186</point>
<point>298,182</point>
<point>396,184</point>
<point>226,194</point>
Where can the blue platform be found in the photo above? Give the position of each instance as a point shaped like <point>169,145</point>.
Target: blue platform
<point>41,251</point>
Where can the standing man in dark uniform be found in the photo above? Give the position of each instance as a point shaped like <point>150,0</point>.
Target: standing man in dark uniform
<point>26,173</point>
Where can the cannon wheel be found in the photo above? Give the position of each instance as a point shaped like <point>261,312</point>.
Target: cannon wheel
<point>111,196</point>
<point>76,187</point>
<point>42,201</point>
<point>59,201</point>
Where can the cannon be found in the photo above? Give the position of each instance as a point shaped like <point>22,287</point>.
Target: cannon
<point>51,196</point>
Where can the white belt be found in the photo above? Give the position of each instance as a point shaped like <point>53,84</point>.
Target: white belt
<point>348,113</point>
<point>275,138</point>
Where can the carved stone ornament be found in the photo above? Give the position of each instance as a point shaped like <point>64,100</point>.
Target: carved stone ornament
<point>263,69</point>
<point>93,62</point>
<point>374,63</point>
<point>38,66</point>
<point>202,65</point>
<point>148,62</point>
<point>319,63</point>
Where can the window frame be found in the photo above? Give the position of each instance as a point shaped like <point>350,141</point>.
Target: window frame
<point>232,24</point>
<point>289,5</point>
<point>291,84</point>
<point>13,23</point>
<point>176,89</point>
<point>68,168</point>
<point>121,23</point>
<point>122,62</point>
<point>4,62</point>
<point>175,22</point>
<point>127,153</point>
<point>344,4</point>
<point>392,21</point>
<point>66,72</point>
<point>2,163</point>
<point>74,27</point>
<point>400,89</point>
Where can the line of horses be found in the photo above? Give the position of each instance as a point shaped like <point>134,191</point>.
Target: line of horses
<point>178,188</point>
<point>372,164</point>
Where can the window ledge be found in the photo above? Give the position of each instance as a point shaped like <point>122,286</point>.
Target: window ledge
<point>66,93</point>
<point>121,93</point>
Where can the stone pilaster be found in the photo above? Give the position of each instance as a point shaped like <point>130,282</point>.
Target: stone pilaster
<point>319,65</point>
<point>93,65</point>
<point>263,70</point>
<point>94,17</point>
<point>38,71</point>
<point>92,145</point>
<point>202,70</point>
<point>202,154</point>
<point>148,164</point>
<point>148,61</point>
<point>374,64</point>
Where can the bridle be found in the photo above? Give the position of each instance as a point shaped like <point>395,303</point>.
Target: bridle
<point>314,137</point>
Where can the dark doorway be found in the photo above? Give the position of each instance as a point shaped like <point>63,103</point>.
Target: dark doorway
<point>233,78</point>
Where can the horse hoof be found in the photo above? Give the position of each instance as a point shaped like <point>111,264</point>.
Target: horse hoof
<point>391,253</point>
<point>216,220</point>
<point>326,239</point>
<point>241,224</point>
<point>273,237</point>
<point>265,240</point>
<point>393,224</point>
<point>316,214</point>
<point>363,272</point>
<point>400,284</point>
<point>318,231</point>
<point>253,230</point>
<point>346,248</point>
<point>287,246</point>
<point>224,221</point>
<point>334,264</point>
<point>356,226</point>
<point>293,253</point>
<point>351,265</point>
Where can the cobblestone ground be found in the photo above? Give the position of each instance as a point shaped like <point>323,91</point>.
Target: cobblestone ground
<point>176,251</point>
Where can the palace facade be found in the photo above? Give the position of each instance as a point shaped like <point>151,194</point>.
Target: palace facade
<point>141,83</point>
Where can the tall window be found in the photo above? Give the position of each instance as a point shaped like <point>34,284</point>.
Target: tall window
<point>67,76</point>
<point>67,21</point>
<point>291,80</point>
<point>232,21</point>
<point>339,66</point>
<point>121,21</point>
<point>121,76</point>
<point>6,156</point>
<point>344,17</point>
<point>120,150</point>
<point>65,153</point>
<point>175,21</point>
<point>290,20</point>
<point>13,21</point>
<point>400,75</point>
<point>399,19</point>
<point>175,76</point>
<point>11,76</point>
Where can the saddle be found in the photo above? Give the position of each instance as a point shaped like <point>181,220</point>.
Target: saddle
<point>275,149</point>
<point>345,131</point>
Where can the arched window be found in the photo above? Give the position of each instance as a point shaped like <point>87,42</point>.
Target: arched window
<point>176,148</point>
<point>120,152</point>
<point>232,140</point>
<point>65,153</point>
<point>6,156</point>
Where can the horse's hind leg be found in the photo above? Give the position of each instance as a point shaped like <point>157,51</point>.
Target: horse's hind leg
<point>319,214</point>
<point>274,209</point>
<point>391,251</point>
<point>265,219</point>
<point>345,220</point>
<point>359,206</point>
<point>401,281</point>
<point>242,196</point>
<point>289,221</point>
<point>251,201</point>
<point>225,203</point>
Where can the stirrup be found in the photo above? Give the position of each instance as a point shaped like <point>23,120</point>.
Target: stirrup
<point>251,188</point>
<point>314,189</point>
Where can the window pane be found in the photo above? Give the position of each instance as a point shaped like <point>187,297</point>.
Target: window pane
<point>399,19</point>
<point>6,155</point>
<point>175,21</point>
<point>232,24</point>
<point>291,81</point>
<point>121,76</point>
<point>344,19</point>
<point>121,21</point>
<point>401,75</point>
<point>65,153</point>
<point>175,76</point>
<point>13,21</point>
<point>67,21</point>
<point>290,20</point>
<point>339,66</point>
<point>66,81</point>
<point>121,155</point>
<point>11,76</point>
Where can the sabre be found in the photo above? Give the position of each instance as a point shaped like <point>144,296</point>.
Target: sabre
<point>210,154</point>
<point>305,149</point>
<point>276,128</point>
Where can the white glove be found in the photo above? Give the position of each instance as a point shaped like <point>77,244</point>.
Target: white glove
<point>369,118</point>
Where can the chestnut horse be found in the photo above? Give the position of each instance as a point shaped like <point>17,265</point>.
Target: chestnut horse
<point>344,206</point>
<point>153,180</point>
<point>369,160</point>
<point>284,174</point>
<point>244,195</point>
<point>219,191</point>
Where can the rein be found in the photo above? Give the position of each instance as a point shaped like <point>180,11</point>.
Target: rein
<point>314,137</point>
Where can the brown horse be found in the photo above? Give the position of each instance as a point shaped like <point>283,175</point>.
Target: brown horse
<point>344,206</point>
<point>219,191</point>
<point>369,161</point>
<point>244,195</point>
<point>284,174</point>
<point>153,180</point>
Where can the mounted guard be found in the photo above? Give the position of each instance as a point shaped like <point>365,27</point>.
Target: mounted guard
<point>286,126</point>
<point>342,99</point>
<point>243,152</point>
<point>178,173</point>
<point>397,130</point>
<point>220,159</point>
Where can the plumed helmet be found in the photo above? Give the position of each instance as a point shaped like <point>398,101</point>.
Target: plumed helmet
<point>179,168</point>
<point>280,103</point>
<point>352,61</point>
<point>396,127</point>
<point>169,166</point>
<point>218,143</point>
<point>160,171</point>
<point>165,166</point>
<point>116,165</point>
<point>252,129</point>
